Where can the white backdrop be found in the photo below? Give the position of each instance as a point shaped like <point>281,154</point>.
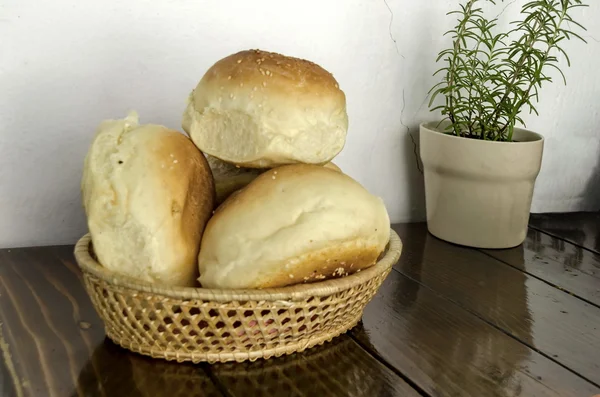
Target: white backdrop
<point>66,65</point>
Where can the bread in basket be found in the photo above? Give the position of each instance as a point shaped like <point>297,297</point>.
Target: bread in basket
<point>209,325</point>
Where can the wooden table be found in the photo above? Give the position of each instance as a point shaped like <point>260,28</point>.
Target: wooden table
<point>448,321</point>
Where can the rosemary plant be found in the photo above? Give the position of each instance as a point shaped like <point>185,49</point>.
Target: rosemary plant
<point>489,77</point>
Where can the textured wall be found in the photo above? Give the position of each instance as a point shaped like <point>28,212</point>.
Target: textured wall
<point>68,64</point>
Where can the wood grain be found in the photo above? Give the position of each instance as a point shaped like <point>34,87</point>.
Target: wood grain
<point>449,321</point>
<point>557,262</point>
<point>561,327</point>
<point>447,351</point>
<point>54,344</point>
<point>579,228</point>
<point>9,378</point>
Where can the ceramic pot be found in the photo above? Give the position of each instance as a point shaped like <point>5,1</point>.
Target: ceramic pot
<point>478,193</point>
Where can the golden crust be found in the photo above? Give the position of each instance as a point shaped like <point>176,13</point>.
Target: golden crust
<point>148,193</point>
<point>337,261</point>
<point>260,110</point>
<point>191,188</point>
<point>289,75</point>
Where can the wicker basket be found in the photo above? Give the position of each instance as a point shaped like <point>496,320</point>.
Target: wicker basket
<point>198,324</point>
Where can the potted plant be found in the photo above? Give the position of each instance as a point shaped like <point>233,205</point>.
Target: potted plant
<point>479,166</point>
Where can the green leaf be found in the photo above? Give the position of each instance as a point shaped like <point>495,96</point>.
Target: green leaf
<point>560,71</point>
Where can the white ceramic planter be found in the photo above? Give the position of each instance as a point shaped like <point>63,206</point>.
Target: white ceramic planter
<point>478,193</point>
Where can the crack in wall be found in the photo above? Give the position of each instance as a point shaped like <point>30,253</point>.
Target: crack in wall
<point>412,138</point>
<point>390,29</point>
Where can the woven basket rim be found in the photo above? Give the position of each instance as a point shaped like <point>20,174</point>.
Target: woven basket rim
<point>291,293</point>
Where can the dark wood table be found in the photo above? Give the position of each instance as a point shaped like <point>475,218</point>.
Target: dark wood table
<point>448,321</point>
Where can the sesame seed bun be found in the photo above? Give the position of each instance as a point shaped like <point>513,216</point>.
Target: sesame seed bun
<point>293,224</point>
<point>148,193</point>
<point>261,109</point>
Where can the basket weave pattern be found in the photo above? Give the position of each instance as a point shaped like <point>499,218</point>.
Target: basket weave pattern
<point>196,324</point>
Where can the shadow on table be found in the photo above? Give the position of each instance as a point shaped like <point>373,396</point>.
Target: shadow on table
<point>116,372</point>
<point>339,367</point>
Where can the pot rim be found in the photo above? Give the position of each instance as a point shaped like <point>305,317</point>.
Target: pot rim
<point>539,138</point>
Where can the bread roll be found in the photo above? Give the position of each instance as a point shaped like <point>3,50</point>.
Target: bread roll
<point>230,178</point>
<point>260,109</point>
<point>293,224</point>
<point>148,193</point>
<point>333,166</point>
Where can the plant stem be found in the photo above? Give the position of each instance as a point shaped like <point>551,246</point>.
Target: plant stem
<point>471,104</point>
<point>451,72</point>
<point>517,73</point>
<point>524,99</point>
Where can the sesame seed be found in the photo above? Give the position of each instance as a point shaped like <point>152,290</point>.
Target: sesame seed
<point>264,83</point>
<point>259,105</point>
<point>175,161</point>
<point>163,166</point>
<point>268,72</point>
<point>171,155</point>
<point>241,84</point>
<point>273,177</point>
<point>239,61</point>
<point>342,263</point>
<point>231,96</point>
<point>358,271</point>
<point>291,276</point>
<point>275,172</point>
<point>255,88</point>
<point>337,86</point>
<point>228,77</point>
